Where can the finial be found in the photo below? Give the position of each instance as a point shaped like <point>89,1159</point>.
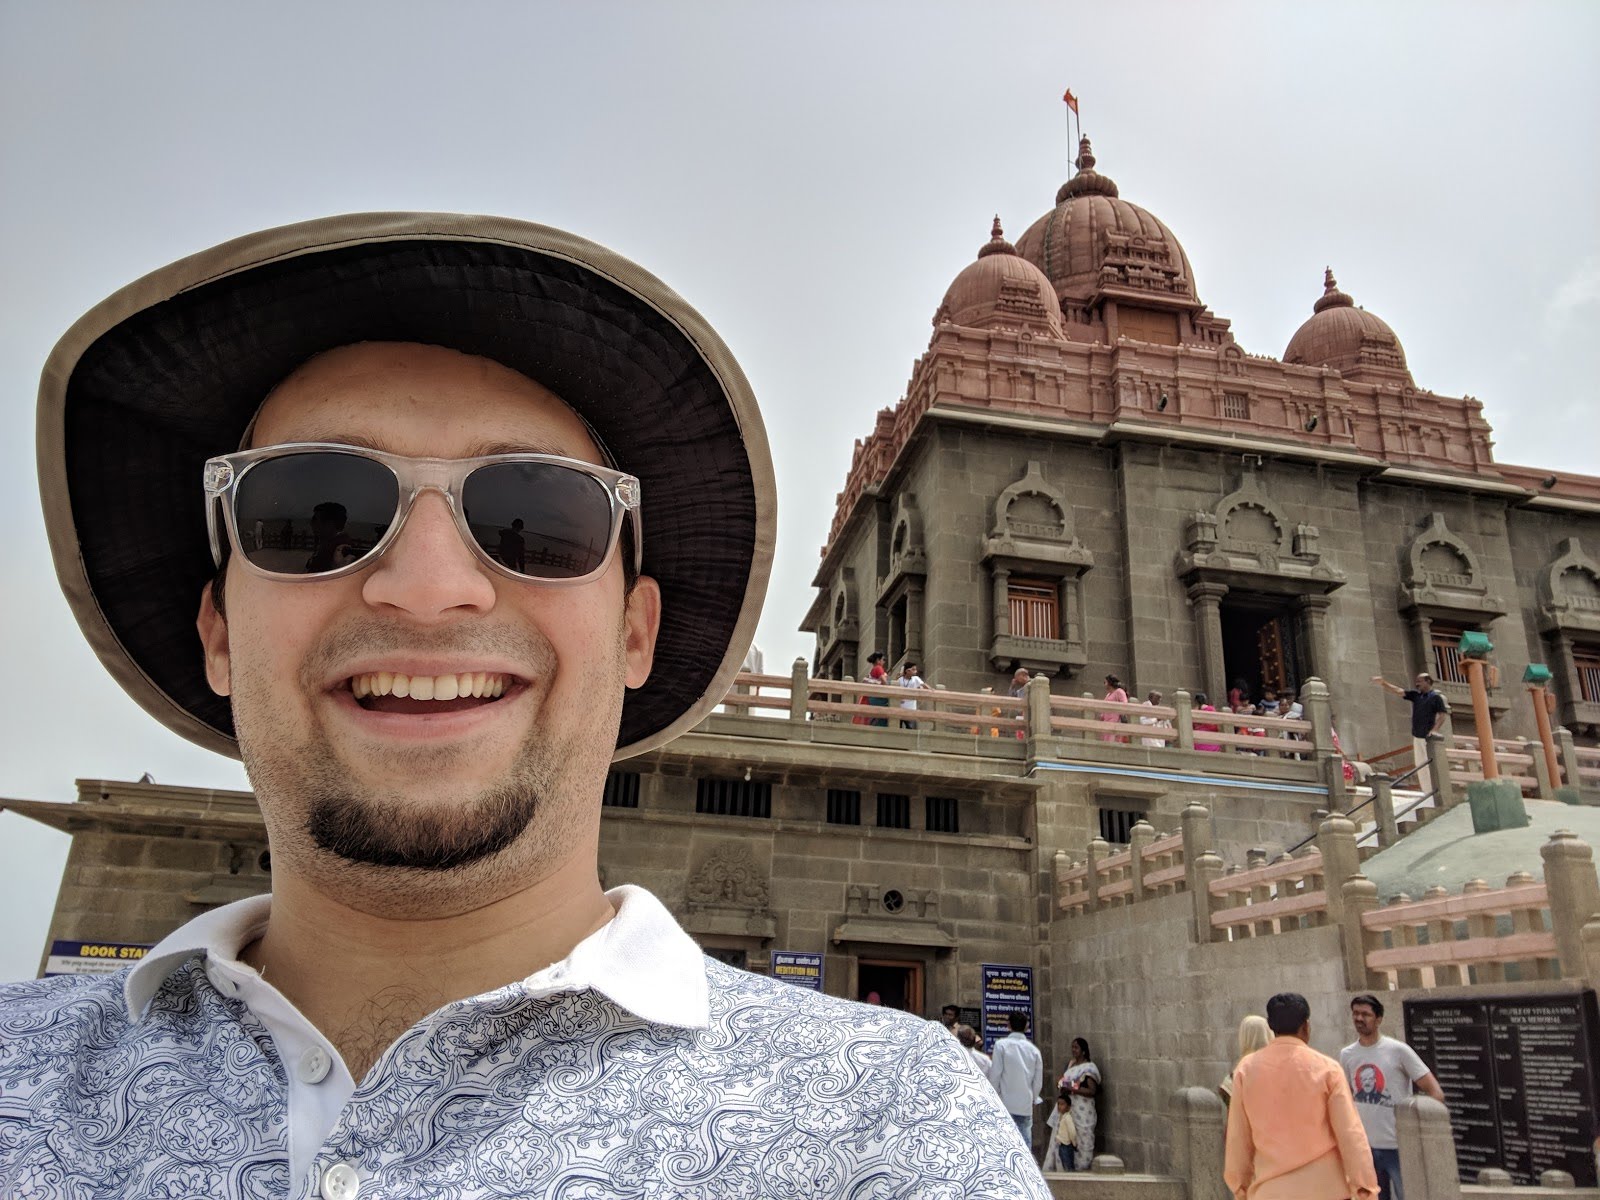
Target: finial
<point>1087,181</point>
<point>997,243</point>
<point>1085,155</point>
<point>1331,296</point>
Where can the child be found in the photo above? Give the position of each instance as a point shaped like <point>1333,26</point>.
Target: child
<point>1054,1159</point>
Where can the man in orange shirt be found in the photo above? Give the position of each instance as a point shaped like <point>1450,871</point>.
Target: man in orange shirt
<point>1293,1132</point>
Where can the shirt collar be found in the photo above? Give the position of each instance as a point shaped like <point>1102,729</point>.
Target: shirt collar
<point>641,959</point>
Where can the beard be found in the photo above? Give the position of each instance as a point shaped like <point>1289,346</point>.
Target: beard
<point>444,836</point>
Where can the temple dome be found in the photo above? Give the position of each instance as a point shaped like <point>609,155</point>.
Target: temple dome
<point>1341,336</point>
<point>1093,239</point>
<point>1001,290</point>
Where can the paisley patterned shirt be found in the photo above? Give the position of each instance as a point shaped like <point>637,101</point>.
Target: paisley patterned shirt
<point>167,1086</point>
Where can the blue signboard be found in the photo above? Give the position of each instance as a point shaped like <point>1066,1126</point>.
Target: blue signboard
<point>802,970</point>
<point>1006,989</point>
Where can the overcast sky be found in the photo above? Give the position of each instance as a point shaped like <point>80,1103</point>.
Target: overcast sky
<point>810,176</point>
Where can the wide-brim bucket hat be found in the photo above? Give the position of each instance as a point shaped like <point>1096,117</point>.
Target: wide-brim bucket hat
<point>170,370</point>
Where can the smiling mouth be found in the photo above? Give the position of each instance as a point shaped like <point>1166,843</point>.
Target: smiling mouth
<point>392,692</point>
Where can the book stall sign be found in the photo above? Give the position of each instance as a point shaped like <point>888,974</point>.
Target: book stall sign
<point>91,958</point>
<point>802,970</point>
<point>1521,1075</point>
<point>1006,989</point>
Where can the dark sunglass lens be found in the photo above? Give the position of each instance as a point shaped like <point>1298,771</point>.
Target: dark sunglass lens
<point>539,519</point>
<point>303,514</point>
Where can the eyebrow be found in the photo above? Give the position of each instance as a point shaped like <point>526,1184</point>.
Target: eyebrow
<point>477,450</point>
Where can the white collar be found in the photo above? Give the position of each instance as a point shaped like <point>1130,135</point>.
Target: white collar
<point>641,959</point>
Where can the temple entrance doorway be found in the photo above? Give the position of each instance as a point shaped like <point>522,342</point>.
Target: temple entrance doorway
<point>897,984</point>
<point>1261,645</point>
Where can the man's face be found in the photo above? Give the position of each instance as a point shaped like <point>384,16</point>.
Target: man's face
<point>1364,1019</point>
<point>1422,683</point>
<point>473,798</point>
<point>1021,675</point>
<point>949,1015</point>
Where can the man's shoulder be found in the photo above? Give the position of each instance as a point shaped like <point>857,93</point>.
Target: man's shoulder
<point>72,997</point>
<point>47,1025</point>
<point>762,999</point>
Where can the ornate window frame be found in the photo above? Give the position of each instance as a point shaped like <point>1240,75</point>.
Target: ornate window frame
<point>1565,621</point>
<point>1045,551</point>
<point>1456,597</point>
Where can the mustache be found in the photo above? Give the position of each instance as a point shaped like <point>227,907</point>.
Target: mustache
<point>364,634</point>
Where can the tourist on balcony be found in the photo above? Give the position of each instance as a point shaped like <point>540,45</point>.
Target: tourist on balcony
<point>1238,694</point>
<point>909,679</point>
<point>1254,1033</point>
<point>879,675</point>
<point>1382,1071</point>
<point>1202,704</point>
<point>1429,711</point>
<point>1115,694</point>
<point>1019,689</point>
<point>1152,699</point>
<point>1081,1083</point>
<point>1293,1132</point>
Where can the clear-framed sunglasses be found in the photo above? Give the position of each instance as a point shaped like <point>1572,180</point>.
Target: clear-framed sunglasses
<point>318,510</point>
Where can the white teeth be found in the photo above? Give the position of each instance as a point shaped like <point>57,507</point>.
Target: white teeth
<point>482,684</point>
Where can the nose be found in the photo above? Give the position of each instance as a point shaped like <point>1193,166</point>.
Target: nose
<point>428,572</point>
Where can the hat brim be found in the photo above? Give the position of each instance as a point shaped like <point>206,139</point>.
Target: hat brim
<point>170,370</point>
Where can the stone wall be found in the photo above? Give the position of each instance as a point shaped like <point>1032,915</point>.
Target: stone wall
<point>1161,1012</point>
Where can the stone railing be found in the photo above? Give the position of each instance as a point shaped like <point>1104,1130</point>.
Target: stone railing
<point>1264,898</point>
<point>797,707</point>
<point>1546,930</point>
<point>1151,865</point>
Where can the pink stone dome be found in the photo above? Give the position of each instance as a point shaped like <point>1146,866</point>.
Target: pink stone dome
<point>1001,290</point>
<point>1341,336</point>
<point>1094,239</point>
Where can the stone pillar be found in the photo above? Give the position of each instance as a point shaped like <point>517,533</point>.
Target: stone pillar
<point>1038,712</point>
<point>1574,897</point>
<point>1591,951</point>
<point>1139,837</point>
<point>1444,788</point>
<point>1336,839</point>
<point>1439,932</point>
<point>1383,810</point>
<point>1421,643</point>
<point>1200,866</point>
<point>1568,750</point>
<point>1002,603</point>
<point>1319,712</point>
<point>1098,848</point>
<point>1183,722</point>
<point>1198,1142</point>
<point>1482,925</point>
<point>1206,598</point>
<point>1359,895</point>
<point>1404,937</point>
<point>1545,789</point>
<point>1427,1149</point>
<point>1313,612</point>
<point>799,693</point>
<point>914,597</point>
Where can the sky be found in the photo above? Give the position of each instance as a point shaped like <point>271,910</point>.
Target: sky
<point>810,176</point>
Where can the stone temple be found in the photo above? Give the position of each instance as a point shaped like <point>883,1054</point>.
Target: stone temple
<point>1087,475</point>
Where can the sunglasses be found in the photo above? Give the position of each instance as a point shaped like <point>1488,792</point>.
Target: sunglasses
<point>317,510</point>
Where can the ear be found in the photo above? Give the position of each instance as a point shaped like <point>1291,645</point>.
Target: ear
<point>213,629</point>
<point>641,621</point>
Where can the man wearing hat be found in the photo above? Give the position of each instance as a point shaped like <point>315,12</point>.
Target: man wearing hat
<point>438,998</point>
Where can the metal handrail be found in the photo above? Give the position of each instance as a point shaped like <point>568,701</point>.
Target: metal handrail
<point>1352,812</point>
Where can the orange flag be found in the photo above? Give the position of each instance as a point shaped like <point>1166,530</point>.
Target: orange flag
<point>1072,101</point>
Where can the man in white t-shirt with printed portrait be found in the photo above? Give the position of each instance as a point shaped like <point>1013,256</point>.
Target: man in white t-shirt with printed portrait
<point>1382,1071</point>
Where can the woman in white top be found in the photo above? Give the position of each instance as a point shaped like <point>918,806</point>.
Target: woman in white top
<point>1254,1033</point>
<point>1081,1081</point>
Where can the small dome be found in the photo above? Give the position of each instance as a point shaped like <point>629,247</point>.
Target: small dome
<point>1001,290</point>
<point>1341,336</point>
<point>1094,239</point>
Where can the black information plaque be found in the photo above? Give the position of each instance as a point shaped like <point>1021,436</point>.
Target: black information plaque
<point>1519,1074</point>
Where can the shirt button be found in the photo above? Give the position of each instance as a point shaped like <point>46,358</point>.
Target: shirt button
<point>314,1065</point>
<point>340,1182</point>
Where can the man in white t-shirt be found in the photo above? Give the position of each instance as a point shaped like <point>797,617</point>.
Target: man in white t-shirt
<point>1017,1073</point>
<point>909,679</point>
<point>1382,1071</point>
